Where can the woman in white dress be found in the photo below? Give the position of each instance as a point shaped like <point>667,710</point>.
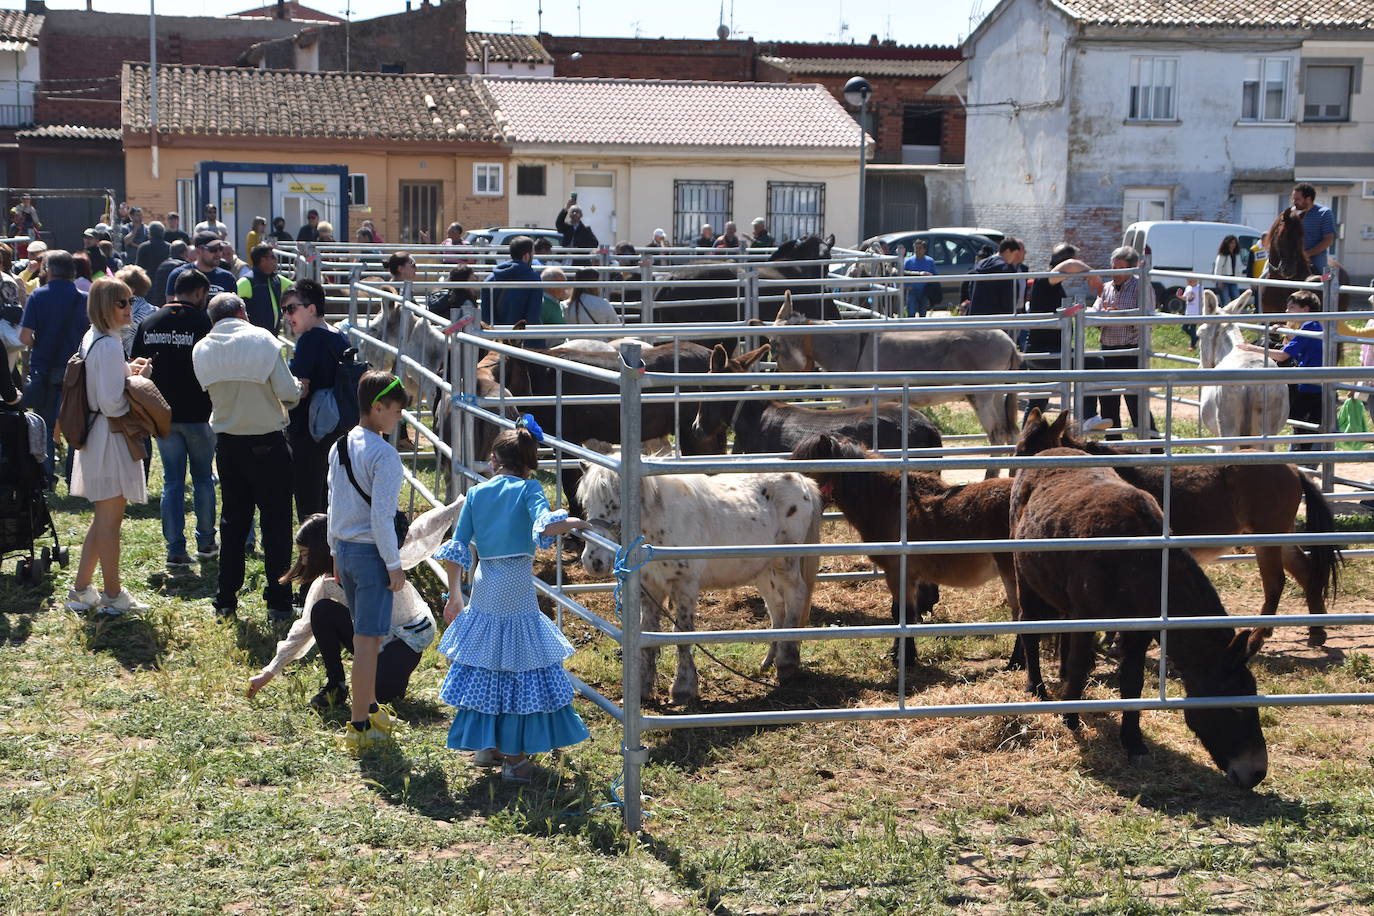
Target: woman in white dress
<point>104,471</point>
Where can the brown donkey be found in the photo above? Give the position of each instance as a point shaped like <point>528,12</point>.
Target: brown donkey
<point>1054,585</point>
<point>1228,499</point>
<point>935,511</point>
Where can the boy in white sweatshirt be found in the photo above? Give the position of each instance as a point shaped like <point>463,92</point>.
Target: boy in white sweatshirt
<point>365,477</point>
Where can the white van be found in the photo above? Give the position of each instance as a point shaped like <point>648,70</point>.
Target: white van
<point>1186,245</point>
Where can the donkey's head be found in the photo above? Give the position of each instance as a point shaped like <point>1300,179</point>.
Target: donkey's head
<point>793,352</point>
<point>714,419</point>
<point>824,447</point>
<point>1039,434</point>
<point>1232,736</point>
<point>1217,339</point>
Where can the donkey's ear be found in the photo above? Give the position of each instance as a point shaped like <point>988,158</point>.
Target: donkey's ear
<point>1032,416</point>
<point>746,360</point>
<point>596,445</point>
<point>785,312</point>
<point>1241,302</point>
<point>1209,302</point>
<point>1061,423</point>
<point>719,361</point>
<point>1247,643</point>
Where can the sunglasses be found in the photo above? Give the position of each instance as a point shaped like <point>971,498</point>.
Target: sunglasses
<point>124,303</point>
<point>291,309</point>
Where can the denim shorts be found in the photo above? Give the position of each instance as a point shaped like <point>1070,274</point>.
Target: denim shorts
<point>364,579</point>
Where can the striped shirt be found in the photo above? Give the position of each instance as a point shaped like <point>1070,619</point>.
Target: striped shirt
<point>1119,299</point>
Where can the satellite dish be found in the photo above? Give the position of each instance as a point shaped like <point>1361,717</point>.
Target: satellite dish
<point>722,31</point>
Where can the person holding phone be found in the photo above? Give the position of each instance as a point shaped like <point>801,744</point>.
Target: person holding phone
<point>576,234</point>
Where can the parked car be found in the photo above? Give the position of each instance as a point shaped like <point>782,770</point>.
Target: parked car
<point>954,251</point>
<point>501,235</point>
<point>1185,245</point>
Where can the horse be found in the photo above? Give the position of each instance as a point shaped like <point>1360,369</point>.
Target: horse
<point>1228,499</point>
<point>777,267</point>
<point>971,349</point>
<point>1237,410</point>
<point>712,510</point>
<point>876,267</point>
<point>935,511</point>
<point>1054,585</point>
<point>1287,259</point>
<point>765,427</point>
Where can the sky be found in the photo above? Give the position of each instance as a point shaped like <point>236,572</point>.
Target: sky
<point>906,21</point>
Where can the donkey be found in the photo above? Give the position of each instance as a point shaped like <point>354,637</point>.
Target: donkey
<point>1237,410</point>
<point>1229,499</point>
<point>935,511</point>
<point>775,426</point>
<point>966,349</point>
<point>1053,585</point>
<point>712,510</point>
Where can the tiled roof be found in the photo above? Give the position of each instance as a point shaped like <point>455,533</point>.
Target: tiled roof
<point>1293,14</point>
<point>17,25</point>
<point>295,11</point>
<point>285,103</point>
<point>520,49</point>
<point>618,112</point>
<point>852,66</point>
<point>70,132</point>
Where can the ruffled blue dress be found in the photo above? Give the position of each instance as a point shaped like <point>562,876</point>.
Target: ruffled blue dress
<point>506,676</point>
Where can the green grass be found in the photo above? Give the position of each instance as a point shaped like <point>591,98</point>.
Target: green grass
<point>136,778</point>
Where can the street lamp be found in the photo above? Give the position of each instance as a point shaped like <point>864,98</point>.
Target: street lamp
<point>856,93</point>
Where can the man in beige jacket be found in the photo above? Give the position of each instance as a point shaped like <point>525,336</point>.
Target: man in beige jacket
<point>251,389</point>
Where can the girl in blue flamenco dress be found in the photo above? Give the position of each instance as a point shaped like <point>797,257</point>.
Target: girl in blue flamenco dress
<point>506,676</point>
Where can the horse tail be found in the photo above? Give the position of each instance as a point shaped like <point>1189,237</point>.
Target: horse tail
<point>1326,559</point>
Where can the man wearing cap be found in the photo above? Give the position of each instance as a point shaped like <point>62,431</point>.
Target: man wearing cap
<point>207,253</point>
<point>310,232</point>
<point>174,231</point>
<point>211,223</point>
<point>251,389</point>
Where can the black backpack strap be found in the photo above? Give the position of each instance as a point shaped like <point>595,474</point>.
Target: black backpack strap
<point>341,446</point>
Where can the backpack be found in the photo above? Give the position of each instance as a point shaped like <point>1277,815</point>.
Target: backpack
<point>334,411</point>
<point>75,417</point>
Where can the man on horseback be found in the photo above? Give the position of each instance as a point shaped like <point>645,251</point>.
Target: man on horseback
<point>1318,226</point>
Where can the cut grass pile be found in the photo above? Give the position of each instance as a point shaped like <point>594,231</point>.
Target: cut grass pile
<point>135,777</point>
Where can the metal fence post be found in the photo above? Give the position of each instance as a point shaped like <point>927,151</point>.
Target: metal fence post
<point>1080,343</point>
<point>1331,302</point>
<point>1145,297</point>
<point>646,293</point>
<point>465,431</point>
<point>353,301</point>
<point>634,753</point>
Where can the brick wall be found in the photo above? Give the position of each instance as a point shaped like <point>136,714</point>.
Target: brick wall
<point>431,38</point>
<point>652,58</point>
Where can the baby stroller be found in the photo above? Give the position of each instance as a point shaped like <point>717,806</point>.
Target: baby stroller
<point>24,516</point>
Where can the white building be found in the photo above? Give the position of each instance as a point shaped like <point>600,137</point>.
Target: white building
<point>1087,115</point>
<point>644,154</point>
<point>507,55</point>
<point>19,66</point>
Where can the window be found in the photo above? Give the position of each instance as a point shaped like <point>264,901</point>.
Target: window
<point>394,68</point>
<point>486,179</point>
<point>1264,91</point>
<point>1144,204</point>
<point>698,202</point>
<point>796,209</point>
<point>1326,92</point>
<point>186,202</point>
<point>1153,80</point>
<point>529,180</point>
<point>357,190</point>
<point>422,211</point>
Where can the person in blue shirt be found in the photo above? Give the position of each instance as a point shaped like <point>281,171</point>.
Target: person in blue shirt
<point>1318,226</point>
<point>509,306</point>
<point>1304,400</point>
<point>53,324</point>
<point>315,360</point>
<point>506,676</point>
<point>206,261</point>
<point>918,294</point>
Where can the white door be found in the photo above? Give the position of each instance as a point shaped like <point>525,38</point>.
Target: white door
<point>596,197</point>
<point>1260,210</point>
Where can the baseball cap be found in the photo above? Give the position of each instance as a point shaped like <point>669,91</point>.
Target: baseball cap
<point>90,234</point>
<point>208,240</point>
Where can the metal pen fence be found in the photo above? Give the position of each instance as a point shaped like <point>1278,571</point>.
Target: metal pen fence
<point>637,388</point>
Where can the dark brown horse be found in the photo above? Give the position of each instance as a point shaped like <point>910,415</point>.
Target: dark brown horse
<point>777,426</point>
<point>935,511</point>
<point>1228,499</point>
<point>1054,585</point>
<point>1287,259</point>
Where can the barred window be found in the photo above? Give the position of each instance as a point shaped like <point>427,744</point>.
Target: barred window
<point>699,202</point>
<point>796,209</point>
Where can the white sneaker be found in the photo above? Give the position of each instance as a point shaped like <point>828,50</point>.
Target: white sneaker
<point>487,757</point>
<point>1096,424</point>
<point>119,604</point>
<point>84,600</point>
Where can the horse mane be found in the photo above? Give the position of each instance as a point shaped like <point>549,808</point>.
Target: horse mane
<point>1286,252</point>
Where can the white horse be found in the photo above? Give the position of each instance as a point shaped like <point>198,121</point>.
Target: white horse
<point>712,510</point>
<point>1236,410</point>
<point>971,349</point>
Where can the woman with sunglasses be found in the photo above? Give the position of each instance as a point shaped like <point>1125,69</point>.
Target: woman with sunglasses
<point>315,362</point>
<point>105,472</point>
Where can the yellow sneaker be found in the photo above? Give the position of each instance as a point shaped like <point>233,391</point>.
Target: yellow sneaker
<point>384,719</point>
<point>358,742</point>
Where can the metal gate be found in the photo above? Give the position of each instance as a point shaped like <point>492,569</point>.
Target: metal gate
<point>422,210</point>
